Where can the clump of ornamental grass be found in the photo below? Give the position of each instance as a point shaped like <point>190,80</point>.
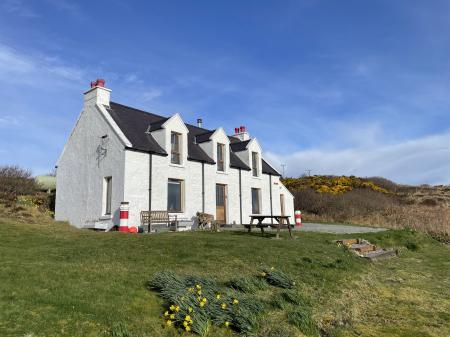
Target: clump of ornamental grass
<point>277,278</point>
<point>194,304</point>
<point>248,285</point>
<point>119,330</point>
<point>302,319</point>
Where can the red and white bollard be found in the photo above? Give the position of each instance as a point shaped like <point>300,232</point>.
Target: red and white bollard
<point>298,218</point>
<point>124,209</point>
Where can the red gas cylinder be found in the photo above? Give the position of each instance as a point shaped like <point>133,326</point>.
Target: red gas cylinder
<point>124,208</point>
<point>298,218</point>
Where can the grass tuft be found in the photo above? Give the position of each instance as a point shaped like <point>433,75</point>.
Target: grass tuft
<point>302,319</point>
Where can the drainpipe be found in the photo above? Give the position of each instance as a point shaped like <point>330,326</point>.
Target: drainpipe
<point>240,196</point>
<point>203,187</point>
<point>271,206</point>
<point>150,168</point>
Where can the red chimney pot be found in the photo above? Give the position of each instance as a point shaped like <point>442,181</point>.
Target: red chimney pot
<point>242,128</point>
<point>236,131</point>
<point>98,83</point>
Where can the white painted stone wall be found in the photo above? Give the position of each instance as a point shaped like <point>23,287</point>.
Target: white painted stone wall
<point>80,175</point>
<point>137,185</point>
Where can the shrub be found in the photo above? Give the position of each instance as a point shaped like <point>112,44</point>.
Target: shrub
<point>14,182</point>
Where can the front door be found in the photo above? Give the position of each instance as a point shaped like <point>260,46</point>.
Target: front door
<point>221,202</point>
<point>282,206</point>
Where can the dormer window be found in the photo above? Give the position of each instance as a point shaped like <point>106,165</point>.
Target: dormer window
<point>255,164</point>
<point>175,143</point>
<point>220,157</point>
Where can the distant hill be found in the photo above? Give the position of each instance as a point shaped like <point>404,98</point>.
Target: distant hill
<point>374,201</point>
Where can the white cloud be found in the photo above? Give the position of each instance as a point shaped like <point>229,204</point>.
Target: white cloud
<point>422,160</point>
<point>17,7</point>
<point>9,121</point>
<point>18,67</point>
<point>151,94</point>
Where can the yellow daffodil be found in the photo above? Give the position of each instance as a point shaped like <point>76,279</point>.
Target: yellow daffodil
<point>204,299</point>
<point>227,324</point>
<point>177,308</point>
<point>188,328</point>
<point>169,322</point>
<point>223,306</point>
<point>218,296</point>
<point>172,316</point>
<point>235,301</point>
<point>187,318</point>
<point>185,323</point>
<point>172,307</point>
<point>263,274</point>
<point>199,292</point>
<point>198,286</point>
<point>190,309</point>
<point>166,313</point>
<point>191,290</point>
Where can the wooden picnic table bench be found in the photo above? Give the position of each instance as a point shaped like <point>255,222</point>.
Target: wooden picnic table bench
<point>157,217</point>
<point>280,219</point>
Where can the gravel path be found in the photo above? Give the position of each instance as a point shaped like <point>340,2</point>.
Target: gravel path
<point>337,229</point>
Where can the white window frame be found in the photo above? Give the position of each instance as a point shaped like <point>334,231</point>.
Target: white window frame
<point>107,196</point>
<point>180,148</point>
<point>258,199</point>
<point>255,163</point>
<point>182,199</point>
<point>224,157</point>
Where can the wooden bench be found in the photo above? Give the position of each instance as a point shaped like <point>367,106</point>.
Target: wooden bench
<point>156,217</point>
<point>260,226</point>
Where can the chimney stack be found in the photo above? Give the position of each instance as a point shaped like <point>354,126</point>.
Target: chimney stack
<point>199,123</point>
<point>98,94</point>
<point>241,133</point>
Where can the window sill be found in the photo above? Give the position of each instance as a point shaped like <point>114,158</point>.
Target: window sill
<point>258,177</point>
<point>222,172</point>
<point>177,165</point>
<point>105,217</point>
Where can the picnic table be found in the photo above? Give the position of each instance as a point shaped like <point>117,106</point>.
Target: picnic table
<point>280,219</point>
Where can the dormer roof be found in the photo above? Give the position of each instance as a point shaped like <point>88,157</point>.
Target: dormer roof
<point>137,126</point>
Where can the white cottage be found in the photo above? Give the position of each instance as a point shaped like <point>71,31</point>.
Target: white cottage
<point>116,154</point>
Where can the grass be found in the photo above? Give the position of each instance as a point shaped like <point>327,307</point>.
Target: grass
<point>59,281</point>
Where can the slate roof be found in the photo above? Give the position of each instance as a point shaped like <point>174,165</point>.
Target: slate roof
<point>238,146</point>
<point>136,124</point>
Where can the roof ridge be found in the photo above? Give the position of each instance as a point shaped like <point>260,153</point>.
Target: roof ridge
<point>162,117</point>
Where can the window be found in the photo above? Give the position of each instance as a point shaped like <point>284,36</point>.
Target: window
<point>255,164</point>
<point>220,157</point>
<point>175,148</point>
<point>107,194</point>
<point>256,201</point>
<point>175,195</point>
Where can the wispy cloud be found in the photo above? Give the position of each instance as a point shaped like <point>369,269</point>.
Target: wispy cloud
<point>17,7</point>
<point>69,7</point>
<point>151,94</point>
<point>20,67</point>
<point>422,160</point>
<point>9,121</point>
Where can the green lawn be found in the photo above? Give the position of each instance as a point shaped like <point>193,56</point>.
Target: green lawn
<point>59,281</point>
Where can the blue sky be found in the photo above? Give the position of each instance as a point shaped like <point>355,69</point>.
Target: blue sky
<point>337,87</point>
